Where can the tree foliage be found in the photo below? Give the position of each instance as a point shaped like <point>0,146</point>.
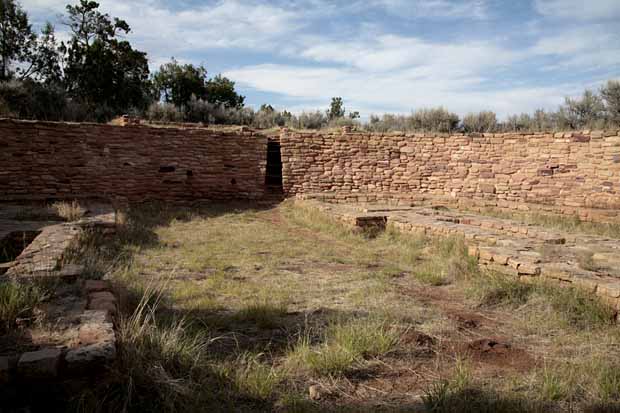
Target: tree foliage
<point>101,70</point>
<point>16,36</point>
<point>611,95</point>
<point>336,109</point>
<point>176,83</point>
<point>221,91</point>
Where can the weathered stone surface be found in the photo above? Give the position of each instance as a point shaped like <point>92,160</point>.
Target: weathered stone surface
<point>92,286</point>
<point>102,300</point>
<point>90,357</point>
<point>95,316</point>
<point>62,160</point>
<point>528,269</point>
<point>538,174</point>
<point>71,271</point>
<point>42,364</point>
<point>6,367</point>
<point>96,332</point>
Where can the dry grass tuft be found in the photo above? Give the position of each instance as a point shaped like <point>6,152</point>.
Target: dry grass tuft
<point>69,211</point>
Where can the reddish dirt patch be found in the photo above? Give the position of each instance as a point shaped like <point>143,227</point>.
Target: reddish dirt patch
<point>498,352</point>
<point>465,320</point>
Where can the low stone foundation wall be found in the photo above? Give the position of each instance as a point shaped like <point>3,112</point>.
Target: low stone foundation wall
<point>502,245</point>
<point>83,340</point>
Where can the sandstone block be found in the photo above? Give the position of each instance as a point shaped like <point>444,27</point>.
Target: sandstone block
<point>93,286</point>
<point>6,367</point>
<point>42,364</point>
<point>85,359</point>
<point>528,269</point>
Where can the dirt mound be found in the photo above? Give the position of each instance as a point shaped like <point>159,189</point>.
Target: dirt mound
<point>498,352</point>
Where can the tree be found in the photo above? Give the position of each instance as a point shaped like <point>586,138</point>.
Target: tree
<point>16,36</point>
<point>336,109</point>
<point>177,83</point>
<point>102,71</point>
<point>584,112</point>
<point>43,58</point>
<point>221,90</point>
<point>611,95</point>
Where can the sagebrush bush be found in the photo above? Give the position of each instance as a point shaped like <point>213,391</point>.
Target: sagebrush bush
<point>164,112</point>
<point>482,122</point>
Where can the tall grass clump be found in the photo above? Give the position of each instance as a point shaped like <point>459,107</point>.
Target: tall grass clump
<point>164,365</point>
<point>263,313</point>
<point>18,300</point>
<point>343,347</point>
<point>448,262</point>
<point>578,309</point>
<point>254,378</point>
<point>493,289</point>
<point>69,211</point>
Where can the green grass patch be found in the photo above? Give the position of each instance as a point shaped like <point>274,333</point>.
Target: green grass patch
<point>18,300</point>
<point>344,347</point>
<point>263,313</point>
<point>255,378</point>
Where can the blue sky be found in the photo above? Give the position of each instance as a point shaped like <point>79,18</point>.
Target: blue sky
<point>382,56</point>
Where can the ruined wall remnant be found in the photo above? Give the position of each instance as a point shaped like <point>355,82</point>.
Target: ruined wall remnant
<point>63,160</point>
<point>568,173</point>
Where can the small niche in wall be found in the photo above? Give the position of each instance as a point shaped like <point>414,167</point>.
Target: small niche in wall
<point>166,169</point>
<point>189,173</point>
<point>233,181</point>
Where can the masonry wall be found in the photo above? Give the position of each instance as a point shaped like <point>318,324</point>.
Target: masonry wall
<point>134,163</point>
<point>567,173</point>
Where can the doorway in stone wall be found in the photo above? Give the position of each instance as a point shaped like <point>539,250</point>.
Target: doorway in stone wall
<point>273,175</point>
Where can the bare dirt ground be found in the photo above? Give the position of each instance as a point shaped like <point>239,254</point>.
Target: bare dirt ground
<point>281,309</point>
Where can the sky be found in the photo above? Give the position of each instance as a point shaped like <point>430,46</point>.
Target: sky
<point>381,56</point>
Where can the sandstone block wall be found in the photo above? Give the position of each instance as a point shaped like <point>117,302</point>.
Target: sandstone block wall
<point>62,160</point>
<point>567,173</point>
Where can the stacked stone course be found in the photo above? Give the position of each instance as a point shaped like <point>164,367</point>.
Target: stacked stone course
<point>576,173</point>
<point>133,163</point>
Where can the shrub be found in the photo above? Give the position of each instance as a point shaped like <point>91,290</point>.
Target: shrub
<point>589,111</point>
<point>422,120</point>
<point>164,112</point>
<point>485,121</point>
<point>308,120</point>
<point>611,95</point>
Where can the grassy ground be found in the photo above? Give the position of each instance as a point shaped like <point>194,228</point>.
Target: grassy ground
<point>236,308</point>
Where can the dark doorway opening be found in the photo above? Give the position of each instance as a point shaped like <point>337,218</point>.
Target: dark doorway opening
<point>273,176</point>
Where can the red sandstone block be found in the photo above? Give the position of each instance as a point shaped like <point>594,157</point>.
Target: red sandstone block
<point>91,286</point>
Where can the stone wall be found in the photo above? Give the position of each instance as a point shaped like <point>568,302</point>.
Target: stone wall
<point>568,173</point>
<point>61,160</point>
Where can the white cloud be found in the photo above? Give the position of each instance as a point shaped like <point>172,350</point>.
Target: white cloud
<point>389,52</point>
<point>579,9</point>
<point>399,91</point>
<point>164,32</point>
<point>472,9</point>
<point>590,47</point>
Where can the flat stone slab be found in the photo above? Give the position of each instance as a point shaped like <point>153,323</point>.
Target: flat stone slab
<point>42,364</point>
